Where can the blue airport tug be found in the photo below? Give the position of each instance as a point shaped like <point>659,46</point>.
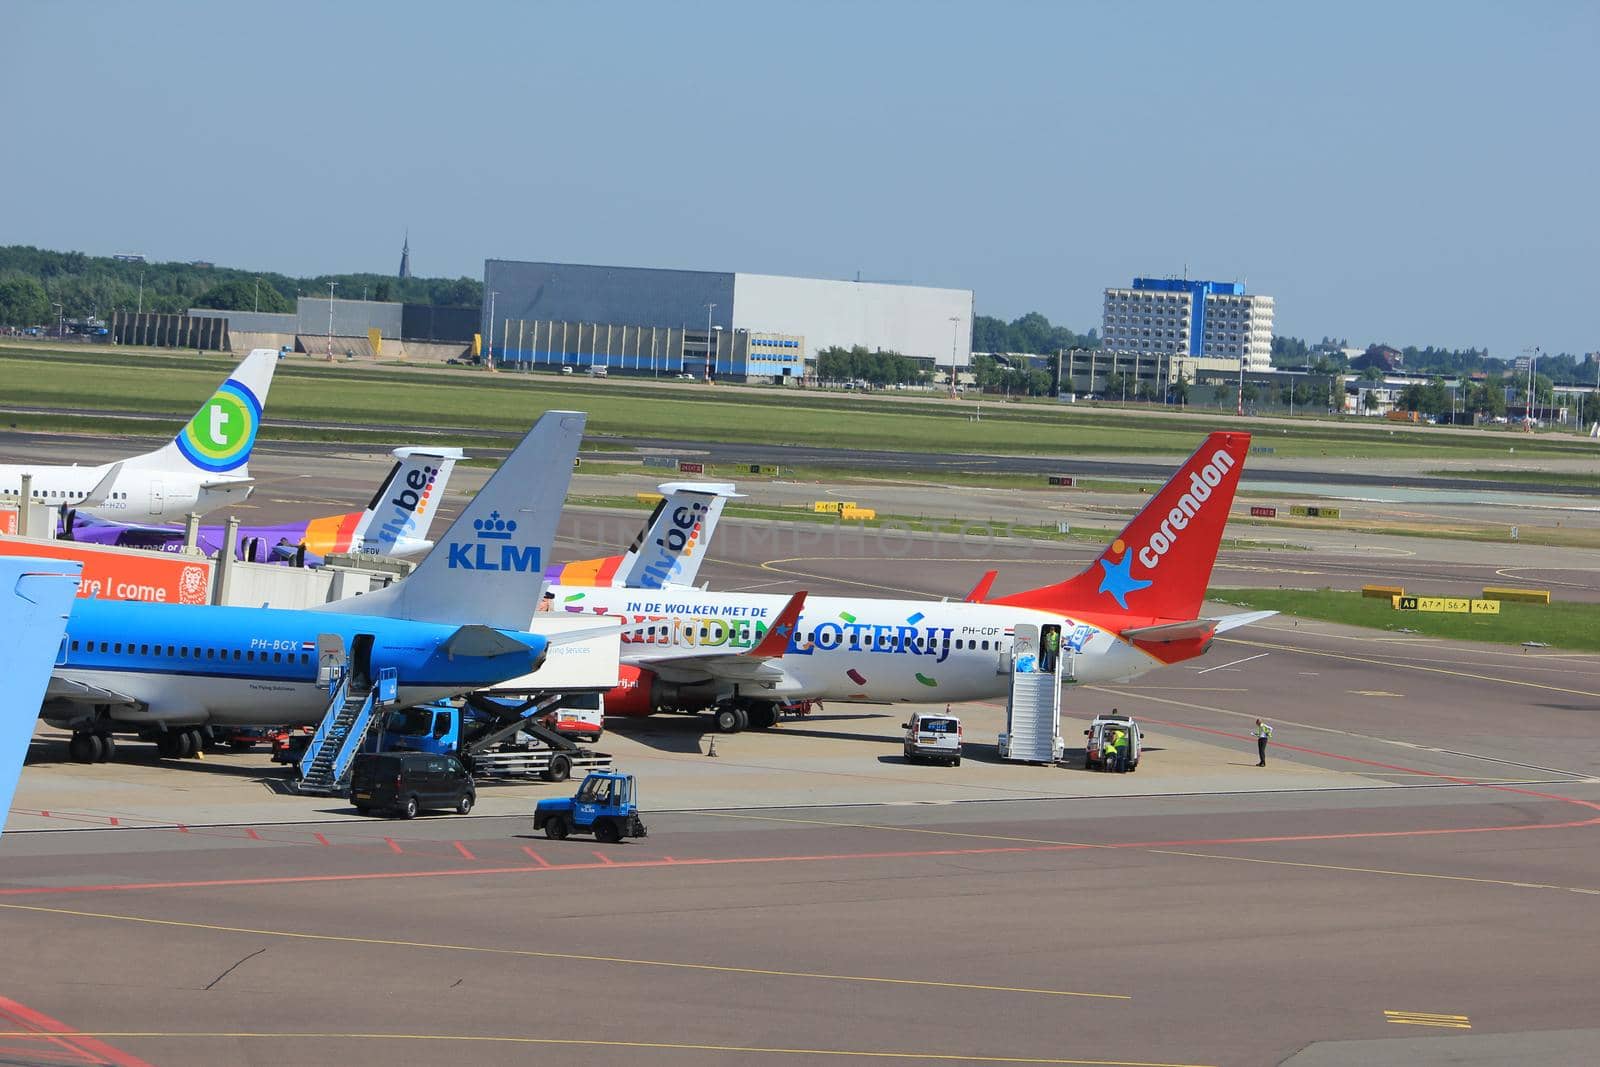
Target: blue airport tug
<point>606,805</point>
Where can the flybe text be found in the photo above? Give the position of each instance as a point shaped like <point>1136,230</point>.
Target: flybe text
<point>1190,504</point>
<point>477,556</point>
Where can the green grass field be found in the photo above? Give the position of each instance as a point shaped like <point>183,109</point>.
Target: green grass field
<point>1574,626</point>
<point>361,397</point>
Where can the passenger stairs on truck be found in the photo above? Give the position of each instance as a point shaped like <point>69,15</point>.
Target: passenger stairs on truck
<point>351,715</point>
<point>1033,703</point>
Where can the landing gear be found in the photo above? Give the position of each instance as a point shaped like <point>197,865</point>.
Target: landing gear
<point>731,720</point>
<point>180,744</point>
<point>86,748</point>
<point>763,716</point>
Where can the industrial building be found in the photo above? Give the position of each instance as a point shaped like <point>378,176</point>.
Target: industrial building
<point>710,324</point>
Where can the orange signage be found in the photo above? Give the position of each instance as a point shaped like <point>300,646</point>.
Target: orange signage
<point>8,520</point>
<point>111,574</point>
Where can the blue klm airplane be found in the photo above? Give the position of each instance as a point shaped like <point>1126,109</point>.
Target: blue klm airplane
<point>35,599</point>
<point>462,621</point>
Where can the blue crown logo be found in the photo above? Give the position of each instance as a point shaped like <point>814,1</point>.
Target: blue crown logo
<point>494,528</point>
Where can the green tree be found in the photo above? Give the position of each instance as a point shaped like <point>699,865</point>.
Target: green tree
<point>1180,390</point>
<point>23,301</point>
<point>1369,400</point>
<point>240,295</point>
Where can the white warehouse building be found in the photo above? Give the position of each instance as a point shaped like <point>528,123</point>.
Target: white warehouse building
<point>728,323</point>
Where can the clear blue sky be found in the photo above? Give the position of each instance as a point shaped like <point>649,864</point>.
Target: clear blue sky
<point>1406,172</point>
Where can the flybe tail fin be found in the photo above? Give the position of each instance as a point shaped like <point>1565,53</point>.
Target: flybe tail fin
<point>400,514</point>
<point>1158,567</point>
<point>668,550</point>
<point>488,567</point>
<point>218,439</point>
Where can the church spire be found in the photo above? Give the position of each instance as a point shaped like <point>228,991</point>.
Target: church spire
<point>405,256</point>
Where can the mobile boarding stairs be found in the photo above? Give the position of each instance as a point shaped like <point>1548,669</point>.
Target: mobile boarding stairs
<point>1033,699</point>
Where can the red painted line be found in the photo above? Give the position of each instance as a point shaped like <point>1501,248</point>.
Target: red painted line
<point>603,858</point>
<point>44,814</point>
<point>115,821</point>
<point>320,839</point>
<point>92,1050</point>
<point>394,846</point>
<point>464,851</point>
<point>251,834</point>
<point>540,860</point>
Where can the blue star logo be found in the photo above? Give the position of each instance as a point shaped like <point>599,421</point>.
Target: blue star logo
<point>1118,579</point>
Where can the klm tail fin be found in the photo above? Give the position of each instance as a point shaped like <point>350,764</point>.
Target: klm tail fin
<point>488,566</point>
<point>218,439</point>
<point>668,550</point>
<point>35,600</point>
<point>400,514</point>
<point>1158,567</point>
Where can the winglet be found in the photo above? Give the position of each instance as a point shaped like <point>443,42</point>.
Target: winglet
<point>781,632</point>
<point>102,489</point>
<point>981,590</point>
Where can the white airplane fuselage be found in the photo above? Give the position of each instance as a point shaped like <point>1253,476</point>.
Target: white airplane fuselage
<point>849,648</point>
<point>137,495</point>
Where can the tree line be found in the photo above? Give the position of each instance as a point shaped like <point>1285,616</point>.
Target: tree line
<point>33,280</point>
<point>858,364</point>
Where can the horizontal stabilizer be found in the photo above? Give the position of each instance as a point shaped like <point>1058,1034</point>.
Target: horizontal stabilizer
<point>981,590</point>
<point>1244,618</point>
<point>227,483</point>
<point>483,642</point>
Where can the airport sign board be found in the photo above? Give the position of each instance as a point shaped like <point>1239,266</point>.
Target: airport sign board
<point>126,574</point>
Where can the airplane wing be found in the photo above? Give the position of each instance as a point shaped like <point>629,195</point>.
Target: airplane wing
<point>753,664</point>
<point>73,691</point>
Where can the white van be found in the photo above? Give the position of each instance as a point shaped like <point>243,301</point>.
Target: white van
<point>933,737</point>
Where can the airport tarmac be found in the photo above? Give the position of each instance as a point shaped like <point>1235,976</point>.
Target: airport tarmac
<point>1411,879</point>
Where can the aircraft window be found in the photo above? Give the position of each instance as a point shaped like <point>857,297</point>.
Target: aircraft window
<point>117,648</point>
<point>250,657</point>
<point>960,643</point>
<point>277,657</point>
<point>236,655</point>
<point>183,652</point>
<point>305,657</point>
<point>986,646</point>
<point>169,651</point>
<point>144,650</point>
<point>211,653</point>
<point>74,646</point>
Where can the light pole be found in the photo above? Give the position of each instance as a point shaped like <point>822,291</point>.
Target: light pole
<point>141,292</point>
<point>709,309</point>
<point>955,340</point>
<point>330,320</point>
<point>1240,409</point>
<point>61,320</point>
<point>489,339</point>
<point>258,295</point>
<point>717,351</point>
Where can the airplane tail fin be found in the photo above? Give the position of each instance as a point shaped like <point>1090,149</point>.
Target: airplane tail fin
<point>1158,567</point>
<point>488,566</point>
<point>218,439</point>
<point>400,514</point>
<point>669,548</point>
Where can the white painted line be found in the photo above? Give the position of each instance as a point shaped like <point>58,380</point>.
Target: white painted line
<point>1235,663</point>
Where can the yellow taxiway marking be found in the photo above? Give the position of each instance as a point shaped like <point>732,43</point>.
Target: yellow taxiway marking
<point>1428,1018</point>
<point>570,956</point>
<point>1375,870</point>
<point>1371,693</point>
<point>579,1042</point>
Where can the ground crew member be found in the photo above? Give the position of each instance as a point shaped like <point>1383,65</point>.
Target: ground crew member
<point>1263,732</point>
<point>1116,749</point>
<point>1051,647</point>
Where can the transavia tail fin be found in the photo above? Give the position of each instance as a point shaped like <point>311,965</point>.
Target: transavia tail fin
<point>1160,565</point>
<point>668,550</point>
<point>400,513</point>
<point>218,439</point>
<point>488,566</point>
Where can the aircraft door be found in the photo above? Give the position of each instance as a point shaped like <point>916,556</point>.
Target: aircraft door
<point>331,659</point>
<point>361,672</point>
<point>1024,657</point>
<point>158,499</point>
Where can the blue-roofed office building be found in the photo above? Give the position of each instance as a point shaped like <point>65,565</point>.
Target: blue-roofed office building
<point>1182,316</point>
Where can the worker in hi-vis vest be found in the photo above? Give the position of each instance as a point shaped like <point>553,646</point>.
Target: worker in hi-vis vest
<point>1263,732</point>
<point>1116,749</point>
